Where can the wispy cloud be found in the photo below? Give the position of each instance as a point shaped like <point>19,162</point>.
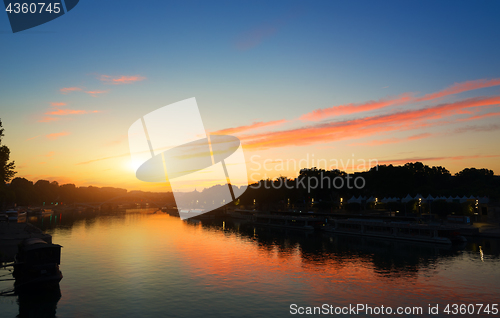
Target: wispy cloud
<point>57,104</point>
<point>402,99</point>
<point>105,158</point>
<point>121,79</point>
<point>66,90</point>
<point>33,138</point>
<point>255,36</point>
<point>96,93</point>
<point>47,119</point>
<point>58,112</point>
<point>426,159</point>
<point>491,127</point>
<point>392,140</point>
<point>63,112</point>
<point>362,127</point>
<point>480,116</point>
<point>351,108</point>
<point>255,125</point>
<point>57,135</point>
<point>460,88</point>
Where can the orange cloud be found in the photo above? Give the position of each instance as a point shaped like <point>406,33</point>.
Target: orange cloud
<point>66,90</point>
<point>57,135</point>
<point>351,108</point>
<point>33,138</point>
<point>122,79</point>
<point>404,120</point>
<point>461,87</point>
<point>481,116</point>
<point>48,119</point>
<point>96,93</point>
<point>57,104</point>
<point>63,112</point>
<point>392,140</point>
<point>403,161</point>
<point>404,98</point>
<point>235,130</point>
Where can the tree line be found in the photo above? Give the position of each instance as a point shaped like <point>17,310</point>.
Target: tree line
<point>380,181</point>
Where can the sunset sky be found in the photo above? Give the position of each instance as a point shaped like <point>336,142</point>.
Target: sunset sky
<point>389,81</point>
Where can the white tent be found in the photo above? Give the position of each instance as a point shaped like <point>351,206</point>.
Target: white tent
<point>407,199</point>
<point>353,200</point>
<point>484,200</point>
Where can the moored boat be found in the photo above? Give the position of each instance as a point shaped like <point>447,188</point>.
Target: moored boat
<point>14,215</point>
<point>37,264</point>
<point>189,213</point>
<point>396,230</point>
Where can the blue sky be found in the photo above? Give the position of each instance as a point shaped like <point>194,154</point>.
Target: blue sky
<point>245,62</point>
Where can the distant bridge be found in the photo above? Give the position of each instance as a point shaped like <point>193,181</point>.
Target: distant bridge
<point>144,200</point>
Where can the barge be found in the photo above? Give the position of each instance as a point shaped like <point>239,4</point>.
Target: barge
<point>396,230</point>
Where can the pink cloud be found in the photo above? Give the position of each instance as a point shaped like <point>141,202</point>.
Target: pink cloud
<point>33,138</point>
<point>351,108</point>
<point>57,104</point>
<point>362,127</point>
<point>96,92</point>
<point>461,87</point>
<point>481,116</point>
<point>56,135</point>
<point>66,90</point>
<point>392,140</point>
<point>63,112</point>
<point>48,119</point>
<point>404,98</point>
<point>122,79</point>
<point>235,130</point>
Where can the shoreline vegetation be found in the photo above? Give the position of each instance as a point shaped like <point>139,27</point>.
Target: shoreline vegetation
<point>380,182</point>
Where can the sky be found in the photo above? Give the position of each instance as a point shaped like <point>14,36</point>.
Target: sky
<point>320,83</point>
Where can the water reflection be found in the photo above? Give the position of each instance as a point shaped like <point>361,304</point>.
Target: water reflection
<point>390,258</point>
<point>140,263</point>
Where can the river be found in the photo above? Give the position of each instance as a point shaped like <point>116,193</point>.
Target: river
<point>137,263</point>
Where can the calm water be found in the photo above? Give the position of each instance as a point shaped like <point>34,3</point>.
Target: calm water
<point>139,264</point>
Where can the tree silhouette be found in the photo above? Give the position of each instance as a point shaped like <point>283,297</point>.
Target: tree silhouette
<point>6,168</point>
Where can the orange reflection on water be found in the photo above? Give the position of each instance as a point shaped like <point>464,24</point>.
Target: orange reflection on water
<point>134,247</point>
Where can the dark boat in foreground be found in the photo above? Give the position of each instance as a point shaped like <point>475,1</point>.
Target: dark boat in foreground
<point>37,264</point>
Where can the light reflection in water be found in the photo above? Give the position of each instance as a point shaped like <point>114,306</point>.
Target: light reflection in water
<point>144,264</point>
